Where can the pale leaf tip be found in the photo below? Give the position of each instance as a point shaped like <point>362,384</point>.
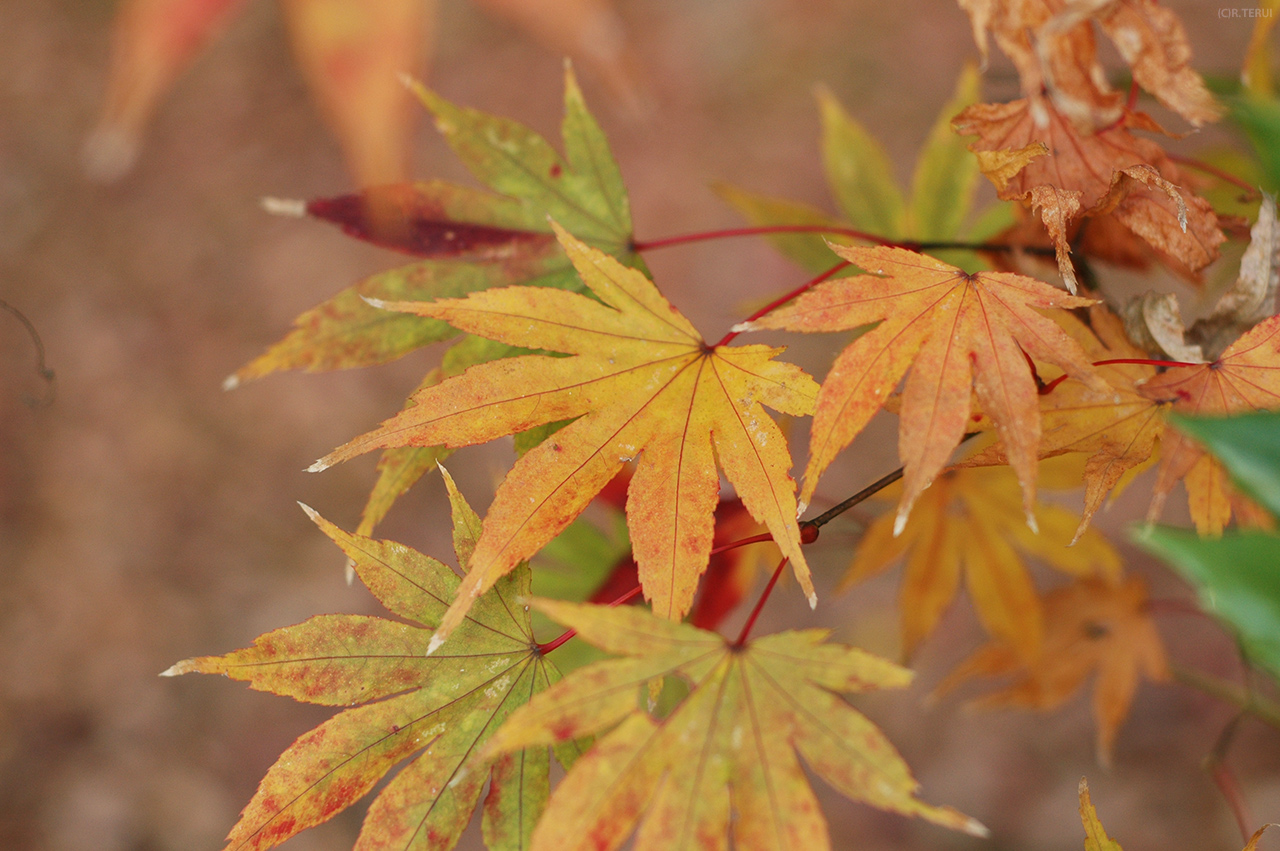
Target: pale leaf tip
<point>349,572</point>
<point>973,827</point>
<point>813,599</point>
<point>177,669</point>
<point>310,512</point>
<point>409,81</point>
<point>319,466</point>
<point>380,304</point>
<point>743,327</point>
<point>801,508</point>
<point>231,382</point>
<point>291,207</point>
<point>899,523</point>
<point>434,644</point>
<point>1032,523</point>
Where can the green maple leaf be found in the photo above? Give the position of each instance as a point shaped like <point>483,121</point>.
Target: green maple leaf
<point>445,706</point>
<point>860,175</point>
<point>724,759</point>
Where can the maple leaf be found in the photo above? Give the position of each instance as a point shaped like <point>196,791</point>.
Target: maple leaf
<point>1115,425</point>
<point>446,705</point>
<point>1245,378</point>
<point>473,239</point>
<point>860,178</point>
<point>1033,154</point>
<point>970,522</point>
<point>351,54</point>
<point>954,331</point>
<point>728,746</point>
<point>1096,838</point>
<point>1090,625</point>
<point>1052,45</point>
<point>641,383</point>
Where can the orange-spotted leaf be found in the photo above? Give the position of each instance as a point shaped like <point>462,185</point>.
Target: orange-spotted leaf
<point>1091,627</point>
<point>970,524</point>
<point>641,384</point>
<point>1245,378</point>
<point>1115,425</point>
<point>723,762</point>
<point>954,333</point>
<point>442,707</point>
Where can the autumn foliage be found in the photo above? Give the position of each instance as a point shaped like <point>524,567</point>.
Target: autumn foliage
<point>1011,366</point>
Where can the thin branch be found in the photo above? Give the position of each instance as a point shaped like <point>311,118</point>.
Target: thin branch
<point>755,612</point>
<point>42,368</point>
<point>765,230</point>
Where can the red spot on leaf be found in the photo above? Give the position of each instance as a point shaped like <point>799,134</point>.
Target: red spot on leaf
<point>555,170</point>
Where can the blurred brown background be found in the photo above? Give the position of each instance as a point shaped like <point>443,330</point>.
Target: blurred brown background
<point>147,516</point>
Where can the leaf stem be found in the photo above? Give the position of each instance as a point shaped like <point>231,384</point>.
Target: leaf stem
<point>570,633</point>
<point>764,230</point>
<point>778,302</point>
<point>755,612</point>
<point>1251,192</point>
<point>733,545</point>
<point>1259,707</point>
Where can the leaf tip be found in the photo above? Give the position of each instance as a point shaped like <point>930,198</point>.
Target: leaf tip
<point>231,382</point>
<point>290,207</point>
<point>973,827</point>
<point>899,522</point>
<point>1032,523</point>
<point>801,507</point>
<point>310,512</point>
<point>743,327</point>
<point>177,669</point>
<point>349,572</point>
<point>380,304</point>
<point>320,466</point>
<point>813,599</point>
<point>436,641</point>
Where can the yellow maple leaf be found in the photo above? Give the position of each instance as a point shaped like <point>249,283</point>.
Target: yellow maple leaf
<point>641,384</point>
<point>729,747</point>
<point>970,522</point>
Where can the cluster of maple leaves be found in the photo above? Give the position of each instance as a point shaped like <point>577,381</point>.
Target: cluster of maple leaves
<point>560,338</point>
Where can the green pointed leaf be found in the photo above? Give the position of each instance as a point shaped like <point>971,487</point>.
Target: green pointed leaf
<point>1248,444</point>
<point>859,172</point>
<point>442,707</point>
<point>946,172</point>
<point>584,194</point>
<point>807,249</point>
<point>1259,119</point>
<point>1237,578</point>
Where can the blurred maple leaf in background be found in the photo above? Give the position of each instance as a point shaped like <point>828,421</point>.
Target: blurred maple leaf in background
<point>352,53</point>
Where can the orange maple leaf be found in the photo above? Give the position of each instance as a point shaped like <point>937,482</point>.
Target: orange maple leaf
<point>1090,625</point>
<point>1033,154</point>
<point>954,331</point>
<point>641,383</point>
<point>725,759</point>
<point>1245,378</point>
<point>970,522</point>
<point>1051,43</point>
<point>1116,425</point>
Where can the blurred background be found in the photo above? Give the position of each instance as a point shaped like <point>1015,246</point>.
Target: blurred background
<point>147,516</point>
